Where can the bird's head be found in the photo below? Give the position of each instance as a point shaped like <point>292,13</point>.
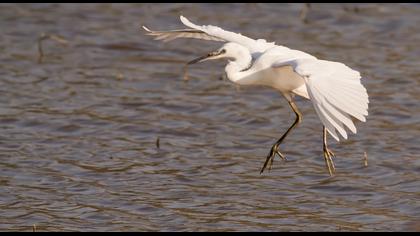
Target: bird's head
<point>229,51</point>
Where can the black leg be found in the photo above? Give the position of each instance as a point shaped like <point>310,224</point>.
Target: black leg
<point>275,149</point>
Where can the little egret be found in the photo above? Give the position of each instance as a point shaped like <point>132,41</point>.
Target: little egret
<point>334,89</point>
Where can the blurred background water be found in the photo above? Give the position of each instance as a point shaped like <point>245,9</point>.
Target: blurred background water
<point>79,128</point>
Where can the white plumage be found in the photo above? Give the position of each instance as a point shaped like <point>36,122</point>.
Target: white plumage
<point>334,89</point>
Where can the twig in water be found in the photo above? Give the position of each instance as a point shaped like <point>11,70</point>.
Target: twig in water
<point>158,142</point>
<point>33,228</point>
<point>186,77</point>
<point>120,75</point>
<point>354,9</point>
<point>365,159</point>
<point>304,12</point>
<point>54,37</point>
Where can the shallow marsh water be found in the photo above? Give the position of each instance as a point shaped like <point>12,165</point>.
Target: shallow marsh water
<point>78,130</point>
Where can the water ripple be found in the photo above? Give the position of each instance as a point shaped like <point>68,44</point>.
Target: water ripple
<point>79,143</point>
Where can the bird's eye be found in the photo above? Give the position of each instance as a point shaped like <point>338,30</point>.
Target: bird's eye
<point>223,51</point>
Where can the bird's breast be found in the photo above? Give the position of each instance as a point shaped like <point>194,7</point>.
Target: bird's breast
<point>282,78</point>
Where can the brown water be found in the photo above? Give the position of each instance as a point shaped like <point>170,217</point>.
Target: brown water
<point>78,131</point>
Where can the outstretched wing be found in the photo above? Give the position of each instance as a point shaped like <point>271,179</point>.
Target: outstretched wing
<point>182,33</point>
<point>210,32</point>
<point>336,93</point>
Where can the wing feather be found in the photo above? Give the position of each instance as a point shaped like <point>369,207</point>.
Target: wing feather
<point>340,99</point>
<point>210,32</point>
<point>329,114</point>
<point>322,116</point>
<point>181,33</point>
<point>336,93</point>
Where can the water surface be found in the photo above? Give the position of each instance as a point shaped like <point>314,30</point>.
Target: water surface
<point>79,129</point>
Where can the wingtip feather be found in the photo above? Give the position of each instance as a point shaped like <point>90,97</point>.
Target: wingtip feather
<point>145,28</point>
<point>184,20</point>
<point>188,23</point>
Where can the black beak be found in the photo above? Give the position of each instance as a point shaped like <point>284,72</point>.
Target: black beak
<point>202,58</point>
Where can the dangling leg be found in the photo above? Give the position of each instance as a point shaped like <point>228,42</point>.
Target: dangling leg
<point>328,155</point>
<point>275,149</point>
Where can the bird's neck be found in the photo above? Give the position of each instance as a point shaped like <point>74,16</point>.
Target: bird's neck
<point>236,69</point>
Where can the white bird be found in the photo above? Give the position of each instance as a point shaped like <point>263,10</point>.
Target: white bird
<point>334,88</point>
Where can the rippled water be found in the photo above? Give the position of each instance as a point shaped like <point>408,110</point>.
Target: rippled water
<point>79,128</point>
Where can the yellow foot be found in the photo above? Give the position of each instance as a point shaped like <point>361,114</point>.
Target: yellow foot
<point>270,158</point>
<point>328,155</point>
